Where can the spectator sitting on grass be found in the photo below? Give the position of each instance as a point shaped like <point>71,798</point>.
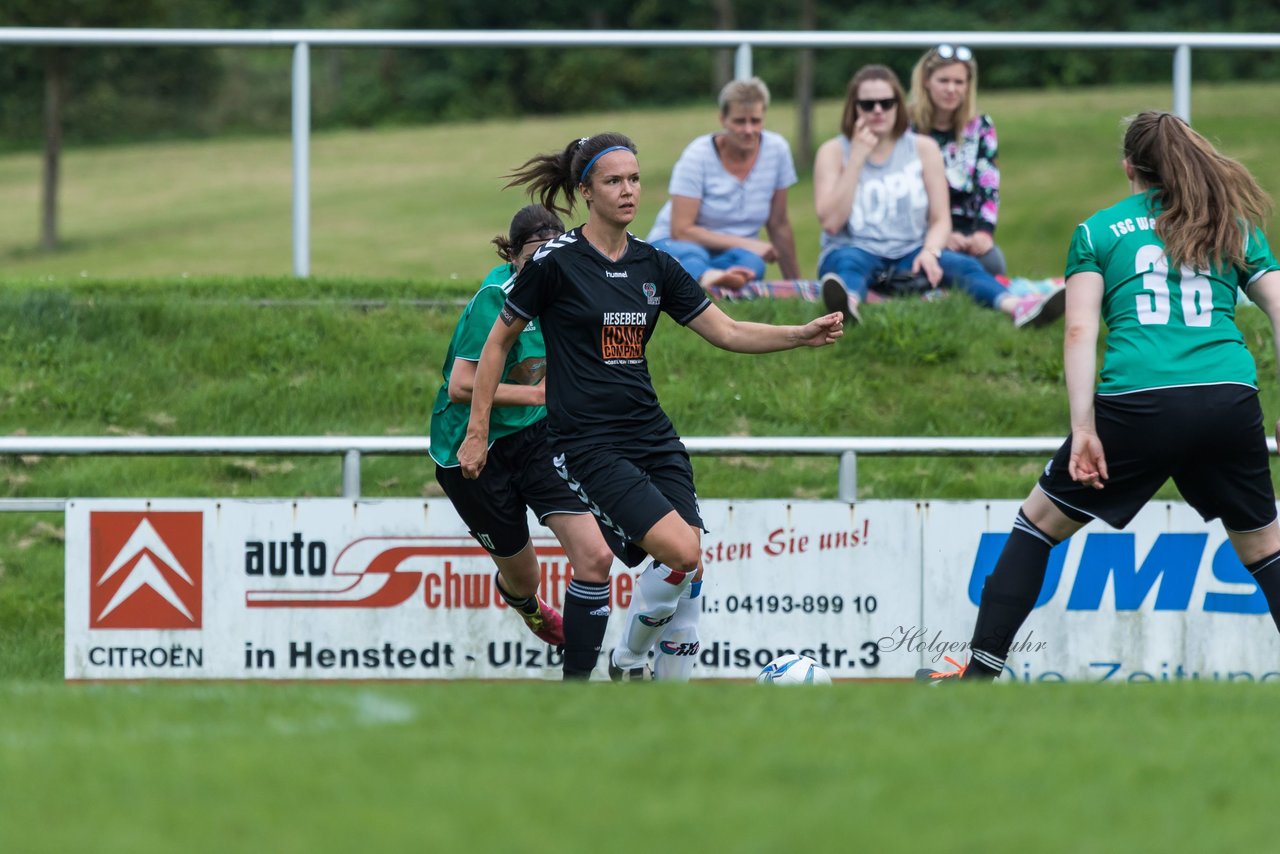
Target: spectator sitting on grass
<point>725,187</point>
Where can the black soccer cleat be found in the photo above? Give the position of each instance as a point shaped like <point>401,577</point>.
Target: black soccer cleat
<point>939,677</point>
<point>640,673</point>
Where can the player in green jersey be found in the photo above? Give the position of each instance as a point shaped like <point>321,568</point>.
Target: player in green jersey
<point>1178,397</point>
<point>494,505</point>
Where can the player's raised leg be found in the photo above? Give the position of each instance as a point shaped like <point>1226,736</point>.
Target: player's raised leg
<point>675,547</point>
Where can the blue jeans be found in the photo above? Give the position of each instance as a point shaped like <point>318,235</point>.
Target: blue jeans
<point>857,267</point>
<point>696,259</point>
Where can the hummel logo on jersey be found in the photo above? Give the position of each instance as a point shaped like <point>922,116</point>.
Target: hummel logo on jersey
<point>609,274</point>
<point>563,240</point>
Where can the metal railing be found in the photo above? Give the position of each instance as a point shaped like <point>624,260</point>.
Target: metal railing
<point>743,41</point>
<point>353,448</point>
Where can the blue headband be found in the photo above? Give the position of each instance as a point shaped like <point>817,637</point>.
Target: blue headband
<point>592,162</point>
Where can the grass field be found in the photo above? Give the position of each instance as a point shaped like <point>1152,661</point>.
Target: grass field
<point>520,767</point>
<point>131,347</point>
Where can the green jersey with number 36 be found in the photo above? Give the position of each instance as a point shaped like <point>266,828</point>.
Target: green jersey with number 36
<point>1167,325</point>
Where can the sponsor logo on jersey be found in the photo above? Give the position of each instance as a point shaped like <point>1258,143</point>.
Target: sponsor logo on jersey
<point>610,274</point>
<point>145,570</point>
<point>651,293</point>
<point>621,342</point>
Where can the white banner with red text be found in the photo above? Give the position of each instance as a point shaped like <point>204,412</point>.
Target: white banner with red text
<point>397,589</point>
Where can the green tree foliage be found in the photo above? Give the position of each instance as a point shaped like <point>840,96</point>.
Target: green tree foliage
<point>144,93</point>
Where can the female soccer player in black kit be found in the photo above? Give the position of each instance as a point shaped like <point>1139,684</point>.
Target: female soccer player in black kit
<point>597,292</point>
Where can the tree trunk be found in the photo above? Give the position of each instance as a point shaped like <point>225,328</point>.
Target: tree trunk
<point>804,91</point>
<point>726,19</point>
<point>54,91</point>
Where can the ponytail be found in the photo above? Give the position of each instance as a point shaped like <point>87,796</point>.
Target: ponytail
<point>1208,201</point>
<point>549,176</point>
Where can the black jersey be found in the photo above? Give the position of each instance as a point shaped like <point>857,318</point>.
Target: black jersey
<point>597,317</point>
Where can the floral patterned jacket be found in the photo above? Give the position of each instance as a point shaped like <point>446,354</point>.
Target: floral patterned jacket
<point>973,175</point>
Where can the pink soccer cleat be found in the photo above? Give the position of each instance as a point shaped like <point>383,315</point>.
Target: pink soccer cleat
<point>546,623</point>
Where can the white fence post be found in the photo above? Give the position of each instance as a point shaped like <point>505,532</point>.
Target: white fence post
<point>351,474</point>
<point>847,479</point>
<point>742,62</point>
<point>301,160</point>
<point>1182,82</point>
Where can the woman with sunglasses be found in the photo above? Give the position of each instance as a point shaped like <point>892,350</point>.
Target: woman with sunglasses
<point>943,104</point>
<point>881,195</point>
<point>520,473</point>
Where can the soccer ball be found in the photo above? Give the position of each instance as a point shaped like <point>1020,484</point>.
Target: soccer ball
<point>793,670</point>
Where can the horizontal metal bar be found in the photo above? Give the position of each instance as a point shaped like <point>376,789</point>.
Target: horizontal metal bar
<point>777,446</point>
<point>623,38</point>
<point>32,505</point>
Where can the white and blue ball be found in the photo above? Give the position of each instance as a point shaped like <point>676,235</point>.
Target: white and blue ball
<point>793,670</point>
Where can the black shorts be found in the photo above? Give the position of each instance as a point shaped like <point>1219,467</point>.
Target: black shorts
<point>629,490</point>
<point>518,474</point>
<point>1209,439</point>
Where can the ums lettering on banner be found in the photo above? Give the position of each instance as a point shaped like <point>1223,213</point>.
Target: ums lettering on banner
<point>1110,559</point>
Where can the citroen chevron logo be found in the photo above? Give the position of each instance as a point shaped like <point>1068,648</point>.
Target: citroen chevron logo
<point>144,543</point>
<point>147,562</point>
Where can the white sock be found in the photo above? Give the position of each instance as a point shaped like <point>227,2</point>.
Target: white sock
<point>678,649</point>
<point>653,604</point>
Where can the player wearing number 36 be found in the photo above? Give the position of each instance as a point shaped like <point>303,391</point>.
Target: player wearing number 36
<point>1178,395</point>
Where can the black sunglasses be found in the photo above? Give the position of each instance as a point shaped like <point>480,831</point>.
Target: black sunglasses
<point>960,52</point>
<point>866,105</point>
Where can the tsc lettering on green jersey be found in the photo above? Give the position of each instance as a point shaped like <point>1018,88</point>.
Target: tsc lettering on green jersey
<point>526,365</point>
<point>1167,325</point>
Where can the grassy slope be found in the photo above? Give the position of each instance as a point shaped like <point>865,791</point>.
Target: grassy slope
<point>422,203</point>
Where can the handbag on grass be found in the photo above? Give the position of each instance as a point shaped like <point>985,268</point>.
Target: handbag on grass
<point>900,283</point>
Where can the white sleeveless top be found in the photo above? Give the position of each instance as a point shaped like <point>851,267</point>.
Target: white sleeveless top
<point>890,213</point>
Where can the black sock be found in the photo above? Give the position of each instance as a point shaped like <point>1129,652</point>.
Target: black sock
<point>1267,573</point>
<point>1008,596</point>
<point>586,616</point>
<point>527,605</point>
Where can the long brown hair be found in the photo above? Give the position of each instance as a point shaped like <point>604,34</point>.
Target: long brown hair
<point>559,173</point>
<point>1208,202</point>
<point>920,105</point>
<point>873,72</point>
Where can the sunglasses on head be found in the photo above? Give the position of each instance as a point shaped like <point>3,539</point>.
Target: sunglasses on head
<point>960,52</point>
<point>869,104</point>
